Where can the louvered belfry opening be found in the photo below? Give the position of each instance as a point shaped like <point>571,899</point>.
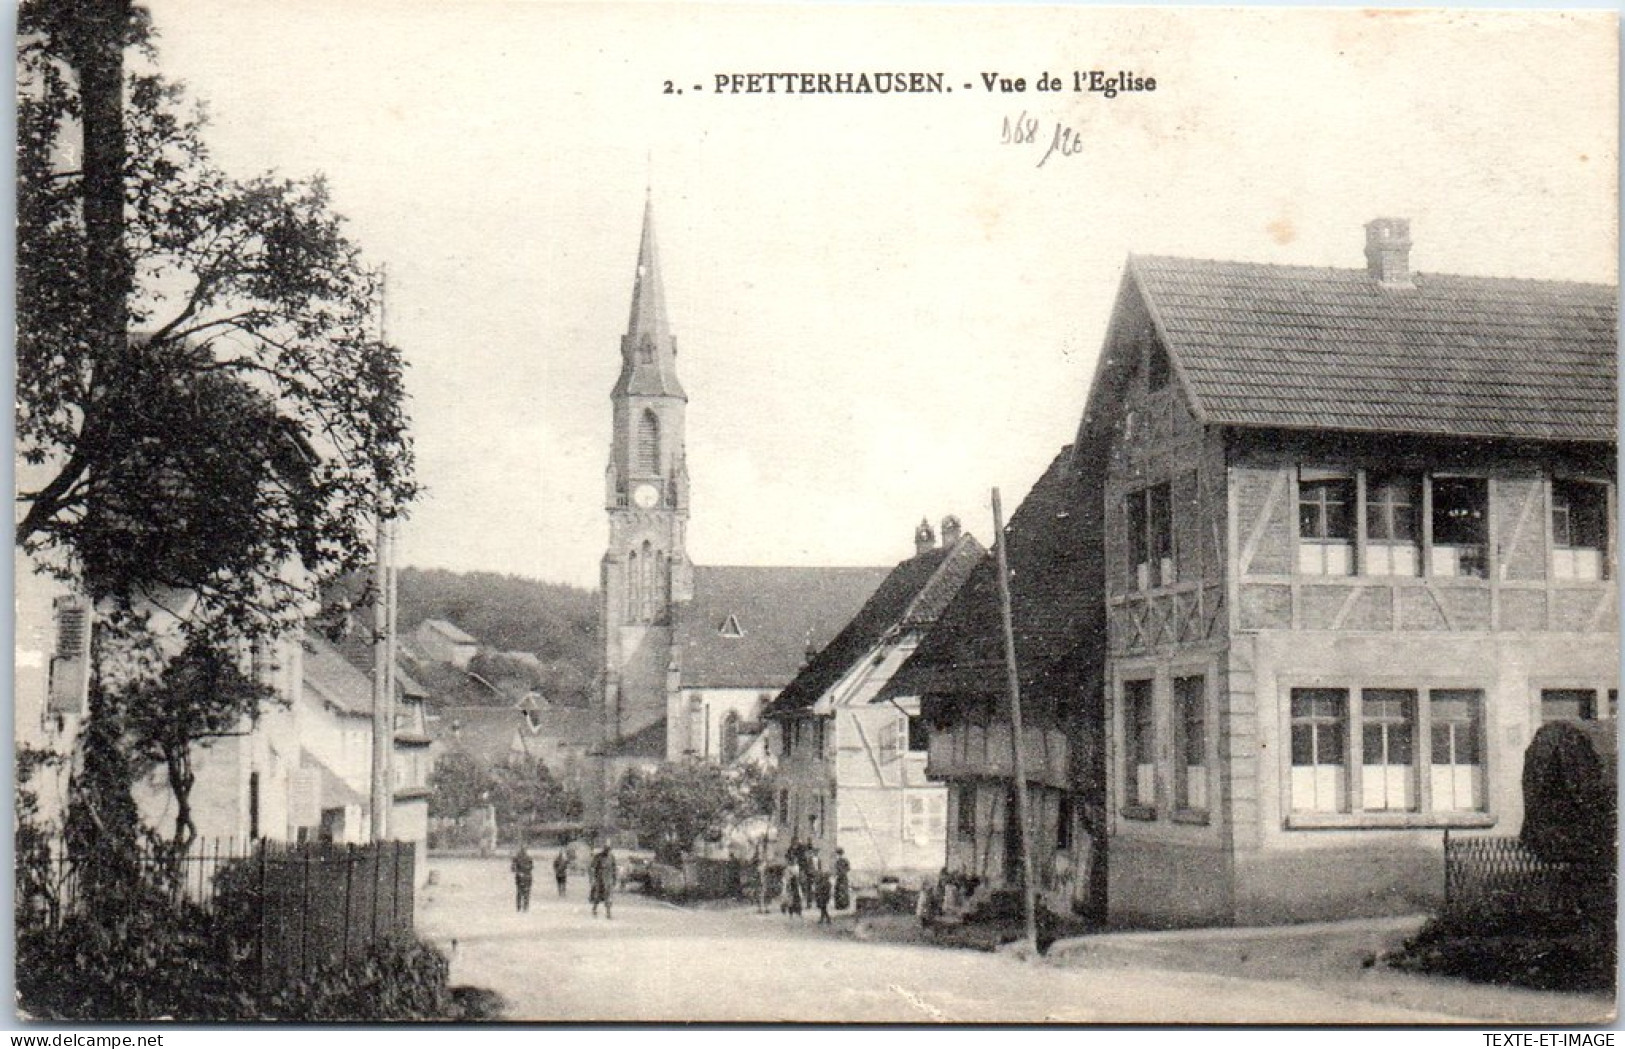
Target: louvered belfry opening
<point>648,449</point>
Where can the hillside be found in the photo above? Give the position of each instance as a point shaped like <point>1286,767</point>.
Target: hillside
<point>554,622</point>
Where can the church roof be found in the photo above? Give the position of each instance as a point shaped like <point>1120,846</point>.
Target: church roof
<point>648,351</point>
<point>749,627</point>
<point>911,597</point>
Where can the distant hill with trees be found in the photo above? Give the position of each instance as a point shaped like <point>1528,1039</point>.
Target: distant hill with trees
<point>555,622</point>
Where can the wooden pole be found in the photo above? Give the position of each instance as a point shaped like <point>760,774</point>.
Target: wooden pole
<point>1018,760</point>
<point>380,686</point>
<point>383,648</point>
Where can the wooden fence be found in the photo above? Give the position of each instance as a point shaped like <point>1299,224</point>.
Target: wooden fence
<point>296,907</point>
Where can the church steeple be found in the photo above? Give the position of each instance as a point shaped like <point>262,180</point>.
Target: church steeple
<point>648,350</point>
<point>645,575</point>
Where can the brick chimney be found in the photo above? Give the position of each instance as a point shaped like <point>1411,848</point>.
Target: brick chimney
<point>924,538</point>
<point>950,530</point>
<point>1388,252</point>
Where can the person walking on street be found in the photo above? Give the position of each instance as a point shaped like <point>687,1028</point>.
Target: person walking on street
<point>523,866</point>
<point>761,878</point>
<point>821,893</point>
<point>843,880</point>
<point>561,868</point>
<point>790,901</point>
<point>602,877</point>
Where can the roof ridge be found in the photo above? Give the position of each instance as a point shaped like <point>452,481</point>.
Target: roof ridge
<point>1359,271</point>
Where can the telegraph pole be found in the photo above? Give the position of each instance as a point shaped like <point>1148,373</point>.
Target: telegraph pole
<point>383,645</point>
<point>1017,758</point>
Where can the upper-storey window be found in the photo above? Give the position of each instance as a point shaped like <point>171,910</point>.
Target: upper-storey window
<point>1151,537</point>
<point>1393,507</point>
<point>1579,530</point>
<point>1325,522</point>
<point>1460,526</point>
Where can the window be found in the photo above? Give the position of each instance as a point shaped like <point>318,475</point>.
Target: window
<point>648,446</point>
<point>1190,744</point>
<point>1388,733</point>
<point>1456,769</point>
<point>728,750</point>
<point>1393,773</point>
<point>1579,529</point>
<point>1139,747</point>
<point>1063,823</point>
<point>1325,522</point>
<point>919,734</point>
<point>1151,537</point>
<point>1568,704</point>
<point>965,811</point>
<point>1318,723</point>
<point>1392,509</point>
<point>1459,527</point>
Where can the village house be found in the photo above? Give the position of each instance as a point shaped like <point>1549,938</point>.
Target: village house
<point>1360,532</point>
<point>851,768</point>
<point>300,771</point>
<point>959,673</point>
<point>50,679</point>
<point>444,642</point>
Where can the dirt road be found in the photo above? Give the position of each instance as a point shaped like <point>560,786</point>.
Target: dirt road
<point>656,962</point>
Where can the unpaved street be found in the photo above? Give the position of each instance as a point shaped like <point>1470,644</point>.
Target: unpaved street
<point>656,962</point>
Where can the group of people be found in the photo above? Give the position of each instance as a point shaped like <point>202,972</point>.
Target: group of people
<point>601,874</point>
<point>806,879</point>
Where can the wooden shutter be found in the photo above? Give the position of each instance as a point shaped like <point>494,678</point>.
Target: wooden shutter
<point>70,664</point>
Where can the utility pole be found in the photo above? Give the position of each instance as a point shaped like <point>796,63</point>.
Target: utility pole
<point>1018,766</point>
<point>383,646</point>
<point>381,727</point>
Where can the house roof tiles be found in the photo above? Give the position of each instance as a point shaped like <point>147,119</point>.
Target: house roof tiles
<point>327,673</point>
<point>911,597</point>
<point>1333,349</point>
<point>1053,572</point>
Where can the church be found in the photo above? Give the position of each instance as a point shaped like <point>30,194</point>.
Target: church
<point>692,654</point>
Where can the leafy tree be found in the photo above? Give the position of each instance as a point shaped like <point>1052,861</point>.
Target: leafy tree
<point>681,800</point>
<point>256,421</point>
<point>202,694</point>
<point>459,782</point>
<point>526,795</point>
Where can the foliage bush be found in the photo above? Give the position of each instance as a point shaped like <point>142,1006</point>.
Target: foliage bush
<point>174,963</point>
<point>1546,955</point>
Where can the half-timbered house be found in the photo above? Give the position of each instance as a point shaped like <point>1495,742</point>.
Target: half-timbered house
<point>851,769</point>
<point>959,671</point>
<point>1360,541</point>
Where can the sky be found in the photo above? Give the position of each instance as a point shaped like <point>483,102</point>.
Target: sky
<point>882,309</point>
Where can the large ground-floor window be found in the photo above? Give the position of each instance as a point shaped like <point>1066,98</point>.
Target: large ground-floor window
<point>1392,773</point>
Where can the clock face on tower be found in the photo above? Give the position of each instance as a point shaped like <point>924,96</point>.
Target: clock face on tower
<point>646,495</point>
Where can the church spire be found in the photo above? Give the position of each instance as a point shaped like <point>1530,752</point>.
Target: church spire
<point>648,351</point>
